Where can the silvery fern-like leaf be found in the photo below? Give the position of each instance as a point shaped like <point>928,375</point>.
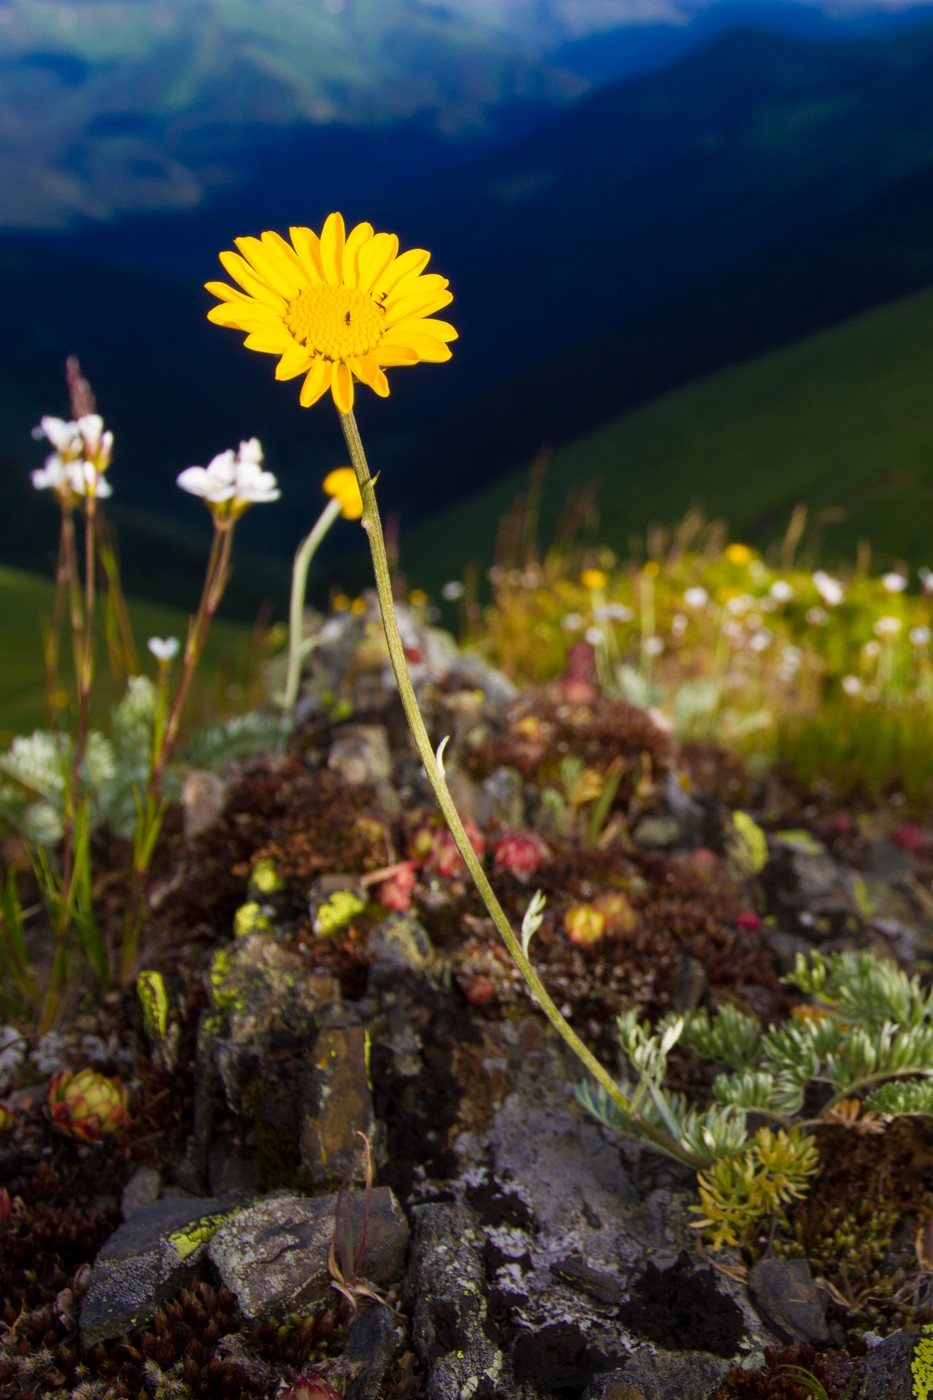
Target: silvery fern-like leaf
<point>899,1096</point>
<point>134,716</point>
<point>217,744</point>
<point>37,763</point>
<point>863,987</point>
<point>730,1037</point>
<point>714,1132</point>
<point>866,1055</point>
<point>800,1048</point>
<point>760,1091</point>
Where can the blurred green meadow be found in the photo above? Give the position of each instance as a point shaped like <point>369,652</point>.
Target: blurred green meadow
<point>223,684</point>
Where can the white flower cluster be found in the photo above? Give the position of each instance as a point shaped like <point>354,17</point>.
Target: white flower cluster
<point>82,454</point>
<point>232,481</point>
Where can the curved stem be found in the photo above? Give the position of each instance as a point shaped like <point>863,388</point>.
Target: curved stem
<point>305,553</point>
<point>372,524</point>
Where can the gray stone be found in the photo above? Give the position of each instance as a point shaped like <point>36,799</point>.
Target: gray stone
<point>143,1188</point>
<point>502,799</point>
<point>447,1283</point>
<point>788,1300</point>
<point>375,1337</point>
<point>888,1371</point>
<point>339,1105</point>
<point>657,832</point>
<point>203,796</point>
<point>273,1255</point>
<point>400,941</point>
<point>148,1259</point>
<point>360,755</point>
<point>680,1375</point>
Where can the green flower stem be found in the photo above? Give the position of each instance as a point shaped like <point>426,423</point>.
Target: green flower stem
<point>296,651</point>
<point>152,807</point>
<point>372,524</point>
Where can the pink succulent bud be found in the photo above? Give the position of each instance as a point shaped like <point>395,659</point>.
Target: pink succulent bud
<point>6,1206</point>
<point>520,853</point>
<point>87,1105</point>
<point>309,1388</point>
<point>748,921</point>
<point>436,849</point>
<point>479,991</point>
<point>395,892</point>
<point>909,837</point>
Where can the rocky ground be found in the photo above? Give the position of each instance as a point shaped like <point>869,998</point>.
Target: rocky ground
<point>329,973</point>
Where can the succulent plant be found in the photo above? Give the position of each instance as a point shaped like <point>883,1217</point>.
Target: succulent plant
<point>87,1105</point>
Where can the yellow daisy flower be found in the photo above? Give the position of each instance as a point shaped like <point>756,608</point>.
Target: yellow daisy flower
<point>336,308</point>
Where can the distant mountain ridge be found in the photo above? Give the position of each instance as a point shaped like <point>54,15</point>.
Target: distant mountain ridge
<point>755,191</point>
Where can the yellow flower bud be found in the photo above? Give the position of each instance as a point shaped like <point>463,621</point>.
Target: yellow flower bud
<point>341,483</point>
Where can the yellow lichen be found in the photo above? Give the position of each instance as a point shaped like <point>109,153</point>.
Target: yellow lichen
<point>921,1367</point>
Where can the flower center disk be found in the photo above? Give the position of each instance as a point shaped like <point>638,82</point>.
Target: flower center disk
<point>335,322</point>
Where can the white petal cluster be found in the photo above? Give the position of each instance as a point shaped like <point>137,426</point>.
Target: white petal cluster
<point>164,648</point>
<point>82,454</point>
<point>232,481</point>
<point>829,588</point>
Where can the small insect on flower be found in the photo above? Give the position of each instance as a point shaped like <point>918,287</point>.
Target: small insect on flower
<point>337,309</point>
<point>87,1105</point>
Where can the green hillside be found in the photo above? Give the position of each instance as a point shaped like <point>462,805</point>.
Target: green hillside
<point>842,422</point>
<point>26,603</point>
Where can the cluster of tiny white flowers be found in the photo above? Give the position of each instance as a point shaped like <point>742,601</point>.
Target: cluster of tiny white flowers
<point>232,481</point>
<point>82,454</point>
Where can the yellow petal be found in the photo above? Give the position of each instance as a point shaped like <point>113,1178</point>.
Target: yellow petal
<point>410,263</point>
<point>271,265</point>
<point>357,239</point>
<point>341,386</point>
<point>317,382</point>
<point>388,354</point>
<point>294,361</point>
<point>426,347</point>
<point>368,371</point>
<point>270,342</point>
<point>225,292</point>
<point>308,248</point>
<point>255,285</point>
<point>417,304</point>
<point>375,257</point>
<point>285,250</point>
<point>332,241</point>
<point>242,316</point>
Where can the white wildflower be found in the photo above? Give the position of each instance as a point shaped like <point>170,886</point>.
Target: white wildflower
<point>894,582</point>
<point>696,597</point>
<point>852,685</point>
<point>887,627</point>
<point>164,648</point>
<point>920,636</point>
<point>452,591</point>
<point>232,481</point>
<point>781,591</point>
<point>829,589</point>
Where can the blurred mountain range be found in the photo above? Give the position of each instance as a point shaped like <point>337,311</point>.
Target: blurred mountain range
<point>606,238</point>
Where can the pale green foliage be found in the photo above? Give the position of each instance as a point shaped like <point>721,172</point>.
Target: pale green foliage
<point>116,767</point>
<point>872,1024</point>
<point>864,988</point>
<point>902,1096</point>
